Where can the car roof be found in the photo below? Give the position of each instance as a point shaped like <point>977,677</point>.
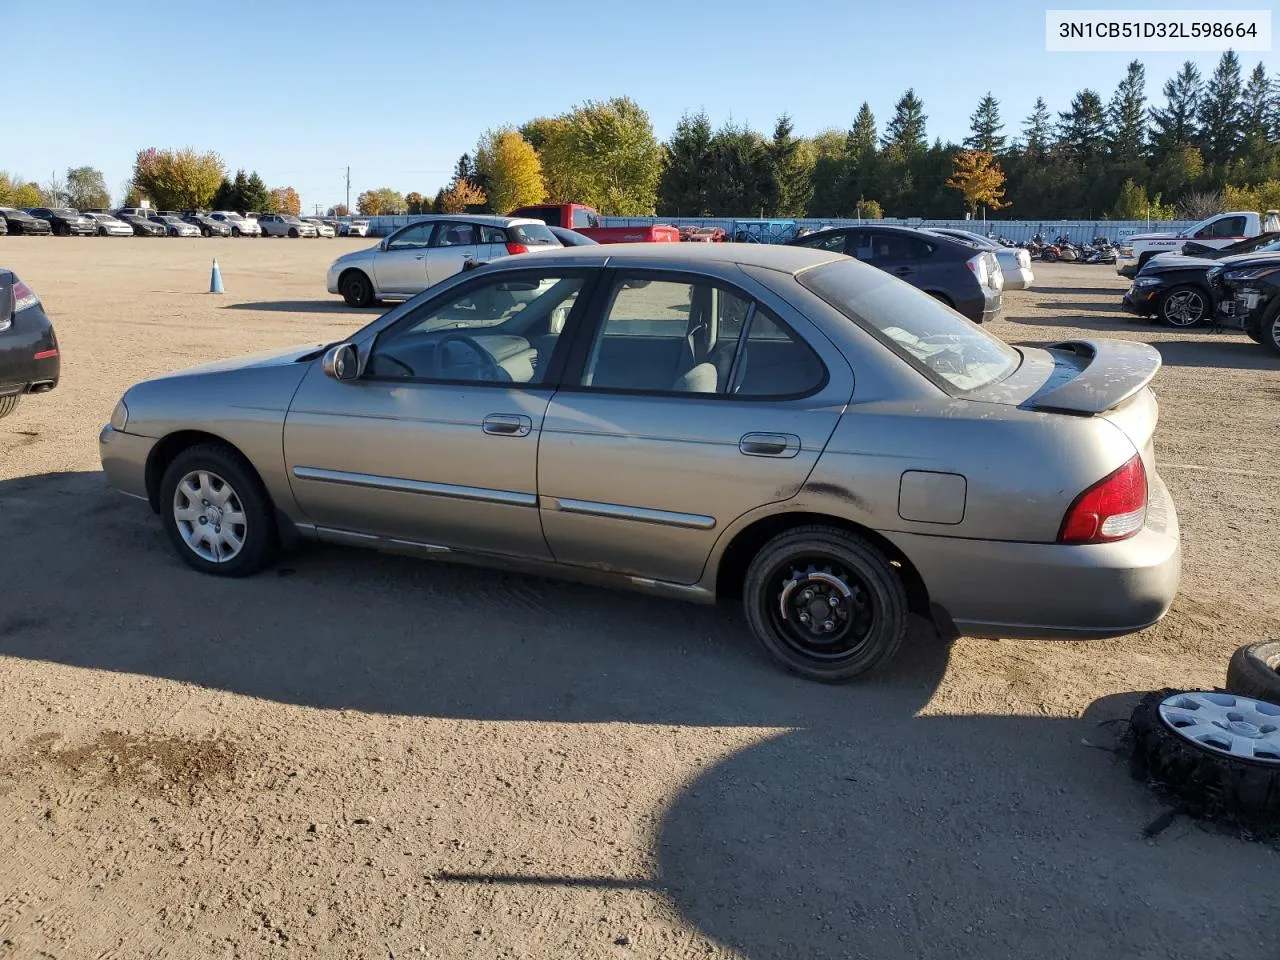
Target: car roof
<point>784,259</point>
<point>485,219</point>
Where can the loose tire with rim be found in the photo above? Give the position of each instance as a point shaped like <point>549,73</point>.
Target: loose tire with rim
<point>1216,755</point>
<point>1254,671</point>
<point>825,603</point>
<point>217,512</point>
<point>1184,306</point>
<point>356,289</point>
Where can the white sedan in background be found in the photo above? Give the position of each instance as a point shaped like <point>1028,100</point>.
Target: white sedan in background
<point>240,226</point>
<point>109,226</point>
<point>355,228</point>
<point>1015,263</point>
<point>429,250</point>
<point>322,229</point>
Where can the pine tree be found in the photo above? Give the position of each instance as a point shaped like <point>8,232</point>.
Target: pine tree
<point>1082,130</point>
<point>1175,125</point>
<point>1127,113</point>
<point>986,126</point>
<point>1259,102</point>
<point>906,131</point>
<point>860,159</point>
<point>256,196</point>
<point>1037,130</point>
<point>792,173</point>
<point>465,168</point>
<point>1221,111</point>
<point>683,189</point>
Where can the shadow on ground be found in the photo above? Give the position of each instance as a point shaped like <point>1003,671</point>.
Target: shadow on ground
<point>1078,291</point>
<point>863,830</point>
<point>1085,319</point>
<point>1229,350</point>
<point>302,306</point>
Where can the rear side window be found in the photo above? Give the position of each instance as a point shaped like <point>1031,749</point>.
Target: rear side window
<point>493,235</point>
<point>583,218</point>
<point>872,247</point>
<point>533,235</point>
<point>834,242</point>
<point>774,362</point>
<point>945,347</point>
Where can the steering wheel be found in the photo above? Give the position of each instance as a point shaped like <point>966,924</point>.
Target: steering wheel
<point>489,369</point>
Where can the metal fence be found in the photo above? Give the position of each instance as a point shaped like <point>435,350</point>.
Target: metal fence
<point>780,231</point>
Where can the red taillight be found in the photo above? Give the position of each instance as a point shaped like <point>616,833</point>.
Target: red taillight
<point>514,248</point>
<point>1113,508</point>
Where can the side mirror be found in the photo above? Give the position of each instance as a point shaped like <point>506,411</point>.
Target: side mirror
<point>382,244</point>
<point>342,362</point>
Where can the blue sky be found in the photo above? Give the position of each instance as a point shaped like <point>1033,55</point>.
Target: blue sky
<point>299,90</point>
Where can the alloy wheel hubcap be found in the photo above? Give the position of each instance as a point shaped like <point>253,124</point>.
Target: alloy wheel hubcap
<point>1225,723</point>
<point>209,516</point>
<point>1184,309</point>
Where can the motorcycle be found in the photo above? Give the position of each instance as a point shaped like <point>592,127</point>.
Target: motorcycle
<point>1068,252</point>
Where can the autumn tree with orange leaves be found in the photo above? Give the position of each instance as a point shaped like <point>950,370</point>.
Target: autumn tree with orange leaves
<point>977,175</point>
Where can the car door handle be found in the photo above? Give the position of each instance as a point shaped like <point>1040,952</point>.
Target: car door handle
<point>769,444</point>
<point>507,425</point>
<point>902,271</point>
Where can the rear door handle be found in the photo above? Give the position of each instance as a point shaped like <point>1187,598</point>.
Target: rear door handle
<point>507,425</point>
<point>902,271</point>
<point>769,444</point>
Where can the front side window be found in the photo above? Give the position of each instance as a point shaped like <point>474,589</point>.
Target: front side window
<point>502,331</point>
<point>941,344</point>
<point>411,238</point>
<point>1228,227</point>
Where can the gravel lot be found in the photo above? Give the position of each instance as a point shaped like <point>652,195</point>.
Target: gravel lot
<point>366,756</point>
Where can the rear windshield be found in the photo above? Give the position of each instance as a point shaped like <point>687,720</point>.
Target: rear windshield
<point>533,235</point>
<point>941,344</point>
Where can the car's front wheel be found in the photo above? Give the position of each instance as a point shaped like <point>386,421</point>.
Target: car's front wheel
<point>1184,306</point>
<point>293,233</point>
<point>356,289</point>
<point>825,603</point>
<point>235,231</point>
<point>217,512</point>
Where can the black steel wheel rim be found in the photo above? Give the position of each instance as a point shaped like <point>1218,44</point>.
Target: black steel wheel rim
<point>819,607</point>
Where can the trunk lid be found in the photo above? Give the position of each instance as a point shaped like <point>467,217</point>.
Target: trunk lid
<point>1087,378</point>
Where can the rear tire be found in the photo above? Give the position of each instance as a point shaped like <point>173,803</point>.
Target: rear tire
<point>229,469</point>
<point>293,233</point>
<point>1269,329</point>
<point>824,572</point>
<point>1254,671</point>
<point>356,289</point>
<point>235,231</point>
<point>9,404</point>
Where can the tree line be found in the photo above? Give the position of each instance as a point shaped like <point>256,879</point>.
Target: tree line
<point>1204,144</point>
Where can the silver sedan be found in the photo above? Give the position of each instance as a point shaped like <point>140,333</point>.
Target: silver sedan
<point>782,424</point>
<point>1015,263</point>
<point>431,249</point>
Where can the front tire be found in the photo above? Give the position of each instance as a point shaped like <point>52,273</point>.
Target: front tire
<point>1183,307</point>
<point>356,289</point>
<point>825,604</point>
<point>293,233</point>
<point>235,231</point>
<point>216,511</point>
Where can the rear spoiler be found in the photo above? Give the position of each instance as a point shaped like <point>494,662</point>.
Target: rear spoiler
<point>1114,371</point>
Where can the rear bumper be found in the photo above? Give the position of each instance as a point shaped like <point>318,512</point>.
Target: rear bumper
<point>29,357</point>
<point>1035,591</point>
<point>1019,279</point>
<point>124,460</point>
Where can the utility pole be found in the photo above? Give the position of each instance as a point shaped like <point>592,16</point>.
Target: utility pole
<point>348,191</point>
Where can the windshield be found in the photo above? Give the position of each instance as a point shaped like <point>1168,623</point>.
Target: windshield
<point>288,219</point>
<point>533,235</point>
<point>934,339</point>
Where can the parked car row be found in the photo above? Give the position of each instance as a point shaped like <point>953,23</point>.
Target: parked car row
<point>145,222</point>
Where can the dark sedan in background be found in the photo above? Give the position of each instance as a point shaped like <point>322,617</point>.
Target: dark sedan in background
<point>962,276</point>
<point>572,238</point>
<point>208,226</point>
<point>29,361</point>
<point>1248,294</point>
<point>1177,291</point>
<point>66,222</point>
<point>142,227</point>
<point>22,223</point>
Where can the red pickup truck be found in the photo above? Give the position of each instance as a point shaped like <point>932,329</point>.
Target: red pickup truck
<point>586,221</point>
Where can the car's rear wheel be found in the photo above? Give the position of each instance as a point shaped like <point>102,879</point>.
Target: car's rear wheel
<point>293,233</point>
<point>825,604</point>
<point>9,404</point>
<point>1269,329</point>
<point>206,232</point>
<point>356,289</point>
<point>1184,306</point>
<point>217,512</point>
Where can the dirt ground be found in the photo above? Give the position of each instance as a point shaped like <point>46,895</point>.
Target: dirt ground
<point>358,755</point>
